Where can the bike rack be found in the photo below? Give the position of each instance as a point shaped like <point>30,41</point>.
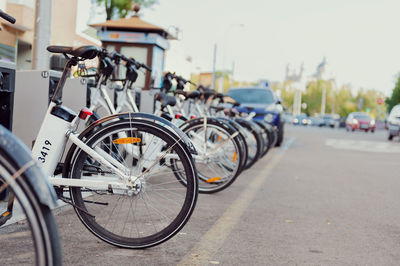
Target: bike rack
<point>7,89</point>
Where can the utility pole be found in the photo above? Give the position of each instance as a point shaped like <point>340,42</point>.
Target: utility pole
<point>233,71</point>
<point>214,62</point>
<point>40,56</point>
<point>323,103</point>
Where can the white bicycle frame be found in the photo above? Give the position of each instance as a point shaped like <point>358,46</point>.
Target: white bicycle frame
<point>205,149</point>
<point>49,146</point>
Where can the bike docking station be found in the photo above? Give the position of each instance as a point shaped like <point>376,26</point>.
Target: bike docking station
<point>33,91</point>
<point>7,89</point>
<point>144,42</point>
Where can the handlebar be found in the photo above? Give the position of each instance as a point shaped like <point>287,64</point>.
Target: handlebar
<point>136,63</point>
<point>117,56</point>
<point>179,78</point>
<point>7,17</point>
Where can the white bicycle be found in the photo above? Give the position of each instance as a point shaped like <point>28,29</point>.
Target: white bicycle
<point>120,171</point>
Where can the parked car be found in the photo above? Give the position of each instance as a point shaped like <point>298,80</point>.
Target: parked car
<point>393,122</point>
<point>331,120</point>
<point>288,118</point>
<point>360,121</point>
<point>317,121</point>
<point>342,122</point>
<point>301,119</point>
<point>264,103</point>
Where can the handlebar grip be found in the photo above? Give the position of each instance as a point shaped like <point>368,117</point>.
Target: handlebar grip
<point>7,17</point>
<point>181,92</point>
<point>146,67</point>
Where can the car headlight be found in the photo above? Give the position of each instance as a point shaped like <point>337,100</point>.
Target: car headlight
<point>372,122</point>
<point>295,120</point>
<point>355,121</point>
<point>269,118</point>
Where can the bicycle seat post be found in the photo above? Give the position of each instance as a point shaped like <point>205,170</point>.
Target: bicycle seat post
<point>65,74</point>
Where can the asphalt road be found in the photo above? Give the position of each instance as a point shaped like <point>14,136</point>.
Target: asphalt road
<point>327,197</point>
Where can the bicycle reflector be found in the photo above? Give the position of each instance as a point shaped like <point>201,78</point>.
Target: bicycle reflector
<point>234,157</point>
<point>84,113</point>
<point>127,140</point>
<point>213,179</point>
<point>178,115</point>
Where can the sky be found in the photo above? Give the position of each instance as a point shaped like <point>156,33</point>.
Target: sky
<point>359,38</point>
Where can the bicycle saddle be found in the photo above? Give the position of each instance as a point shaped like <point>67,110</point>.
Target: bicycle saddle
<point>169,100</point>
<point>193,95</point>
<point>85,52</point>
<point>207,94</point>
<point>165,99</point>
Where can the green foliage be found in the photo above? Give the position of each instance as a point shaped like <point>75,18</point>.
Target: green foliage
<point>395,98</point>
<point>313,95</point>
<point>123,8</point>
<point>345,102</point>
<point>340,101</point>
<point>287,93</point>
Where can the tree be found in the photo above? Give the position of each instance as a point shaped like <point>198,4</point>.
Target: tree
<point>122,8</point>
<point>395,98</point>
<point>313,97</point>
<point>345,102</point>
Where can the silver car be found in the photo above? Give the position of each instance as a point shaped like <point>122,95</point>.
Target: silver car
<point>393,122</point>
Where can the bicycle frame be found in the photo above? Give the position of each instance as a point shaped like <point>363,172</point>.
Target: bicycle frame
<point>57,129</point>
<point>103,99</point>
<point>49,146</point>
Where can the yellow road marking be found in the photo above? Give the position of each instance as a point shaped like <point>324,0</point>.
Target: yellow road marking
<point>202,253</point>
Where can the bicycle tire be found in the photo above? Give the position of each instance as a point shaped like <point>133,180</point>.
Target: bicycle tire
<point>254,154</point>
<point>222,165</point>
<point>39,219</point>
<point>241,139</point>
<point>99,226</point>
<point>266,138</point>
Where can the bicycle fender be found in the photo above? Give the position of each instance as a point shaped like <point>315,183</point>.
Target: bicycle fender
<point>145,116</point>
<point>215,120</point>
<point>21,155</point>
<point>249,125</point>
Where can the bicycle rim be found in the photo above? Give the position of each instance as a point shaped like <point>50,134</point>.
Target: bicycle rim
<point>218,162</point>
<point>156,207</point>
<point>30,237</point>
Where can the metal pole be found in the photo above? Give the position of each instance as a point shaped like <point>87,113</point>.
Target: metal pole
<point>40,56</point>
<point>323,103</point>
<point>214,63</point>
<point>233,71</point>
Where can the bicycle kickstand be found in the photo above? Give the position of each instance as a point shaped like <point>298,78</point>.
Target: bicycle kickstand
<point>5,216</point>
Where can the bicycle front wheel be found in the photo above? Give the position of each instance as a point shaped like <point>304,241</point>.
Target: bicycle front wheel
<point>219,161</point>
<point>30,237</point>
<point>156,206</point>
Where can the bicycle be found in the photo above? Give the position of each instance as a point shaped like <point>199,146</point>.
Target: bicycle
<point>32,238</point>
<point>31,235</point>
<point>214,175</point>
<point>117,170</point>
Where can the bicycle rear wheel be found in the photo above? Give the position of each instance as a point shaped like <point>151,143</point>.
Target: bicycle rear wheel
<point>219,161</point>
<point>30,237</point>
<point>157,206</point>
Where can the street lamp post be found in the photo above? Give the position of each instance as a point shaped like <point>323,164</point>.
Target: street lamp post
<point>41,35</point>
<point>214,67</point>
<point>226,46</point>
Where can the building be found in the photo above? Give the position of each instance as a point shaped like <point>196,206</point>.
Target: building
<point>16,40</point>
<point>145,42</point>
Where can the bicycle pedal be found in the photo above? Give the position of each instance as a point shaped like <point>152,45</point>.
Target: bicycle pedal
<point>5,216</point>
